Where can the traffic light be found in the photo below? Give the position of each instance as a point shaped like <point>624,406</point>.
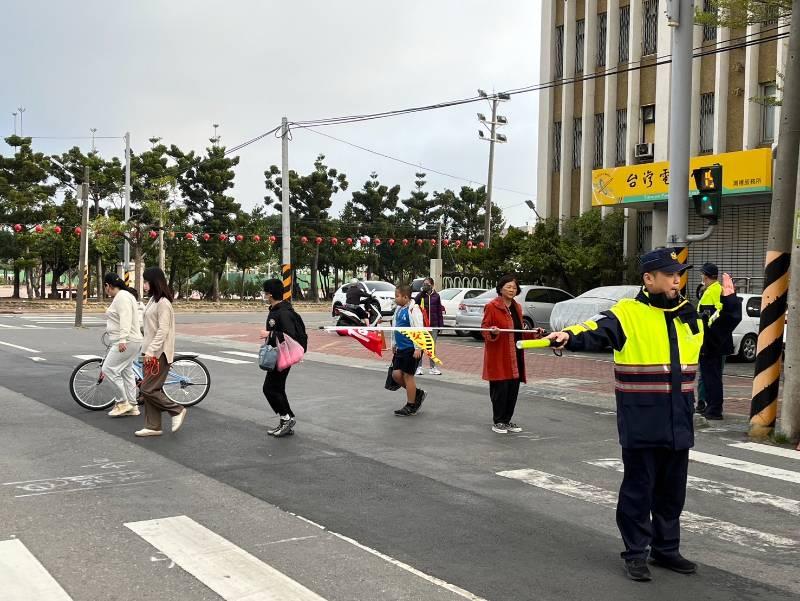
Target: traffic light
<point>708,200</point>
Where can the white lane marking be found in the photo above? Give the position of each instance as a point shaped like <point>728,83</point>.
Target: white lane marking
<point>242,354</point>
<point>735,493</point>
<point>224,359</point>
<point>24,578</point>
<point>2,325</point>
<point>769,449</point>
<point>37,359</point>
<point>22,348</point>
<point>693,522</point>
<point>226,569</point>
<point>30,325</point>
<point>87,357</point>
<point>746,466</point>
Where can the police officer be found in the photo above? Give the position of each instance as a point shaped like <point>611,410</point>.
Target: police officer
<point>712,357</point>
<point>656,339</point>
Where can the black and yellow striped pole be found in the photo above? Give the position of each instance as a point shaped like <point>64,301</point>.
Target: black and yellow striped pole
<point>127,276</point>
<point>683,257</point>
<point>286,272</point>
<point>85,284</point>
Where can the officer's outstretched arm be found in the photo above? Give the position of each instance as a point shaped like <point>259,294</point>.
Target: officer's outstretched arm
<point>593,335</point>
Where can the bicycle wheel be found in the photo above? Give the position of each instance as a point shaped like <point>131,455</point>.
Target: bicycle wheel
<point>90,388</point>
<point>188,381</point>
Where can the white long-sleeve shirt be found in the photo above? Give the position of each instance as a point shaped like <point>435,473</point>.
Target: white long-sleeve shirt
<point>123,322</point>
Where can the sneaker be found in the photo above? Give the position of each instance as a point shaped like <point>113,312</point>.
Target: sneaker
<point>700,408</point>
<point>434,371</point>
<point>147,432</point>
<point>637,570</point>
<point>500,428</point>
<point>121,409</point>
<point>177,420</point>
<point>406,411</point>
<point>712,417</point>
<point>420,398</point>
<point>134,411</point>
<point>678,563</point>
<point>419,372</point>
<point>285,428</point>
<point>512,427</point>
<point>271,431</point>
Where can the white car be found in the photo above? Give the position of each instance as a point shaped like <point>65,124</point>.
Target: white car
<point>452,297</point>
<point>383,291</point>
<point>745,336</point>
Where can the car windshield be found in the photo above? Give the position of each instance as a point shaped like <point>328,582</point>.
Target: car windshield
<point>483,298</point>
<point>611,292</point>
<point>449,293</point>
<point>380,286</point>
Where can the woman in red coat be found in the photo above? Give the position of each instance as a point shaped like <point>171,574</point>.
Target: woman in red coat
<point>503,363</point>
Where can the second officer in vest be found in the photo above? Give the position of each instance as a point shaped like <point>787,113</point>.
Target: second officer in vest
<point>656,339</point>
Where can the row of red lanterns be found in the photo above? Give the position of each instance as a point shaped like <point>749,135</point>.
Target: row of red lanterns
<point>272,239</point>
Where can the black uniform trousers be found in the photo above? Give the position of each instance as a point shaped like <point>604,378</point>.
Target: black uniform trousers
<point>275,391</point>
<point>711,372</point>
<point>654,485</point>
<point>504,395</point>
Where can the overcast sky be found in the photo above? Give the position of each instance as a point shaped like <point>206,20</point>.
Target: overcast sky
<point>173,68</point>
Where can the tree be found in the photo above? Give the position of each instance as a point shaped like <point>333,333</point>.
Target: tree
<point>741,13</point>
<point>465,213</point>
<point>249,252</point>
<point>420,210</point>
<point>310,197</point>
<point>203,182</point>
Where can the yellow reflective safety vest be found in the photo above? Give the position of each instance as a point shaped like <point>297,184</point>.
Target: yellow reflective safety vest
<point>656,352</point>
<point>711,301</point>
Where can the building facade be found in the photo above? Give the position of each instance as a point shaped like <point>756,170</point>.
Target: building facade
<point>604,124</point>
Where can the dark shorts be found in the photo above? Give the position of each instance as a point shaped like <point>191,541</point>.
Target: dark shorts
<point>404,361</point>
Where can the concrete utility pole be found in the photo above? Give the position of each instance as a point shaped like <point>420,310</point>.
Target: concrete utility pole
<point>286,242</point>
<point>496,120</point>
<point>783,216</point>
<point>84,250</point>
<point>21,110</point>
<point>126,248</point>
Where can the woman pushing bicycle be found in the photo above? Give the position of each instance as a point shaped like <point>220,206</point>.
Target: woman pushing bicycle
<point>124,329</point>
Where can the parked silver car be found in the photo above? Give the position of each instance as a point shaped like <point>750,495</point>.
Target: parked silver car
<point>589,304</point>
<point>537,304</point>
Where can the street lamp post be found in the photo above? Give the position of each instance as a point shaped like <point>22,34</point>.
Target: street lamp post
<point>491,126</point>
<point>21,110</point>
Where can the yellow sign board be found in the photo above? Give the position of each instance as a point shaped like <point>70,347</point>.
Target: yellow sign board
<point>744,172</point>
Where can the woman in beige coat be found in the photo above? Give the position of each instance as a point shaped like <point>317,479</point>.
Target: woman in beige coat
<point>159,352</point>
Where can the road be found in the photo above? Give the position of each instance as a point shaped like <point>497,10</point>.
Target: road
<point>358,504</point>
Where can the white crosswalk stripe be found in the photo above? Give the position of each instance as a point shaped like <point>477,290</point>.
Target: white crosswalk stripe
<point>745,466</point>
<point>692,522</point>
<point>768,449</point>
<point>735,493</point>
<point>87,357</point>
<point>23,578</point>
<point>224,359</point>
<point>242,354</point>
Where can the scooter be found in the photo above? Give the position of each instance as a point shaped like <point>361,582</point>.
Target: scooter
<point>353,315</point>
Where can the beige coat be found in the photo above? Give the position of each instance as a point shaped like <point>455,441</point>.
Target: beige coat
<point>159,329</point>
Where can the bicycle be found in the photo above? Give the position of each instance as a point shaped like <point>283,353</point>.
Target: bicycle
<point>187,383</point>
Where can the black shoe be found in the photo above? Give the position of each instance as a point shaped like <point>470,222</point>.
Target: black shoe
<point>406,411</point>
<point>420,397</point>
<point>678,563</point>
<point>712,417</point>
<point>637,570</point>
<point>285,428</point>
<point>700,408</point>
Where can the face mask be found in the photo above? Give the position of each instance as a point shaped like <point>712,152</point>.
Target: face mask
<point>426,287</point>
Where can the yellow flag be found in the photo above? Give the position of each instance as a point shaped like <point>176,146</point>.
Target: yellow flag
<point>424,340</point>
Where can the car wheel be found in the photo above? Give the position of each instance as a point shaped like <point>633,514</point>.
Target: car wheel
<point>461,333</point>
<point>527,323</point>
<point>476,335</point>
<point>748,347</point>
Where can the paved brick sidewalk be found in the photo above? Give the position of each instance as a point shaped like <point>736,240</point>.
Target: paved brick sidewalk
<point>553,376</point>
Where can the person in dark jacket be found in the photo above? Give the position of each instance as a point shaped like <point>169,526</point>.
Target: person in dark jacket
<point>656,339</point>
<point>353,297</point>
<point>282,319</point>
<point>430,303</point>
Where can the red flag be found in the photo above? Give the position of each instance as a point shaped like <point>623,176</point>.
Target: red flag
<point>370,339</point>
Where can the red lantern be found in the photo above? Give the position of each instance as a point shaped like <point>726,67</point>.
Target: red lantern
<point>189,236</point>
<point>78,231</point>
<point>377,241</point>
<point>222,237</point>
<point>481,245</point>
<point>239,237</point>
<point>334,241</point>
<point>304,240</point>
<point>419,241</point>
<point>433,241</point>
<point>469,243</point>
<point>349,241</point>
<point>57,229</point>
<point>446,242</point>
<point>364,241</point>
<point>391,241</point>
<point>318,240</point>
<point>272,239</point>
<point>206,237</point>
<point>17,228</point>
<point>153,235</point>
<point>405,241</point>
<point>256,238</point>
<point>458,243</point>
<point>38,229</point>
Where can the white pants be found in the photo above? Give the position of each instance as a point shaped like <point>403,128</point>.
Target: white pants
<point>118,368</point>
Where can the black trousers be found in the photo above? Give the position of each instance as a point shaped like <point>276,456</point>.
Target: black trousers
<point>711,372</point>
<point>654,485</point>
<point>504,395</point>
<point>275,391</point>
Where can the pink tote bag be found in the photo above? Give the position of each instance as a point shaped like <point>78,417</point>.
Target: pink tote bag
<point>289,352</point>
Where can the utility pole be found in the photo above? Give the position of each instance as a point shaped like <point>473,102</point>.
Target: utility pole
<point>286,242</point>
<point>783,218</point>
<point>161,255</point>
<point>15,123</point>
<point>21,110</point>
<point>84,250</point>
<point>496,120</point>
<point>126,245</point>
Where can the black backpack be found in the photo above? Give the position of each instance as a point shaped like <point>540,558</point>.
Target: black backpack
<point>300,330</point>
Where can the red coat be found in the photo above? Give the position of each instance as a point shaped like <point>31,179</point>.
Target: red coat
<point>500,353</point>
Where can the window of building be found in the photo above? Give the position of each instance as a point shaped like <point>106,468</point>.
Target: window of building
<point>649,27</point>
<point>602,24</point>
<point>557,146</point>
<point>771,14</point>
<point>622,132</point>
<point>577,139</point>
<point>559,57</point>
<point>624,33</point>
<point>580,33</point>
<point>707,122</point>
<point>598,140</point>
<point>709,31</point>
<point>647,133</point>
<point>769,91</point>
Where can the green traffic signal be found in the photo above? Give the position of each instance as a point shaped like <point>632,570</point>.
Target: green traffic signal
<point>708,200</point>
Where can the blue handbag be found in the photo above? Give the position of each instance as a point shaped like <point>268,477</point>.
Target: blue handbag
<point>267,357</point>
